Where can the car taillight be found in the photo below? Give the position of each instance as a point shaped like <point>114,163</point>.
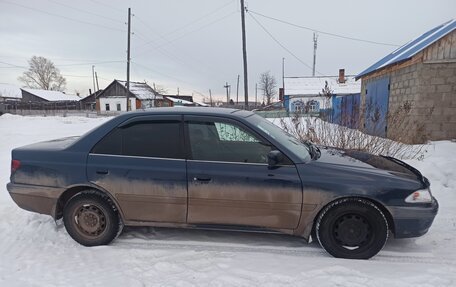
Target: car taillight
<point>15,165</point>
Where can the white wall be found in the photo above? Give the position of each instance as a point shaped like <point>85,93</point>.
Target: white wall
<point>113,101</point>
<point>323,102</point>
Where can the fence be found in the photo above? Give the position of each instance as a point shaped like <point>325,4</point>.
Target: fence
<point>48,108</point>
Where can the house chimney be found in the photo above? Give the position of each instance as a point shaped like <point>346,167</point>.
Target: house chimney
<point>341,76</point>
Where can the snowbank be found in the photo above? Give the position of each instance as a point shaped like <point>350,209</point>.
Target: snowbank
<point>34,251</point>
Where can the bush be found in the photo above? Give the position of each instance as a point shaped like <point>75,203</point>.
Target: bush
<point>402,130</point>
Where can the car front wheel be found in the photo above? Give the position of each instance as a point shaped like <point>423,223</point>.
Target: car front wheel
<point>91,219</point>
<point>352,228</point>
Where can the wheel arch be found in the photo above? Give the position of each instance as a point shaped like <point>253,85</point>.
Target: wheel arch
<point>73,190</point>
<point>378,204</point>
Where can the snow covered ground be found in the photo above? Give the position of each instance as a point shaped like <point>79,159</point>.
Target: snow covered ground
<point>36,252</point>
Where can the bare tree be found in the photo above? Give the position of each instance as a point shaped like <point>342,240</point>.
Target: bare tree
<point>42,74</point>
<point>268,85</point>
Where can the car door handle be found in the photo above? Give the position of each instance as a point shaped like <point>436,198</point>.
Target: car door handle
<point>104,171</point>
<point>202,179</point>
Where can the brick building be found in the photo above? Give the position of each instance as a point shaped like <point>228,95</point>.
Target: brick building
<point>421,73</point>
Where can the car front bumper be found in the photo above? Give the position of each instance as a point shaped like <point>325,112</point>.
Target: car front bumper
<point>413,221</point>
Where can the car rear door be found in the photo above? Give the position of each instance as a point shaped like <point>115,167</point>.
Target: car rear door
<point>229,181</point>
<point>141,163</point>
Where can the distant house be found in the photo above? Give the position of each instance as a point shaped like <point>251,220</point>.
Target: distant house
<point>10,93</point>
<point>89,102</point>
<point>142,96</point>
<point>305,94</point>
<point>180,102</point>
<point>421,72</point>
<point>46,96</point>
<point>179,97</point>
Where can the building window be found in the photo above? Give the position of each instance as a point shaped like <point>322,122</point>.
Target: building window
<point>118,107</point>
<point>107,107</point>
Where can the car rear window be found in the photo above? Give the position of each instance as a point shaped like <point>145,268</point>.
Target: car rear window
<point>146,139</point>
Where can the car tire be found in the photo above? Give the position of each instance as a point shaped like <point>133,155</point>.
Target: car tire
<point>352,228</point>
<point>91,219</point>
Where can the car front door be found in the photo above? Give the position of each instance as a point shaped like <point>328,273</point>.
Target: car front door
<point>230,182</point>
<point>141,163</point>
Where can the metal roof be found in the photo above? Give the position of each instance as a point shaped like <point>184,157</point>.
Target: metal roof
<point>413,47</point>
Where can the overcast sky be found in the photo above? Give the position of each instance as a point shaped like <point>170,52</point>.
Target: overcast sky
<point>196,45</point>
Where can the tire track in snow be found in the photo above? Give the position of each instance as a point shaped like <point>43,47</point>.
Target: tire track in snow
<point>309,251</point>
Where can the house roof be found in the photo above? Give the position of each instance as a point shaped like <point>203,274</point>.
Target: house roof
<point>10,91</point>
<point>312,86</point>
<point>142,91</point>
<point>184,102</point>
<point>412,48</point>
<point>52,96</point>
<point>187,98</point>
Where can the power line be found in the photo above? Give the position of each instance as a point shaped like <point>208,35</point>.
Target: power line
<point>11,65</point>
<point>165,75</point>
<point>188,24</point>
<point>186,34</point>
<point>83,76</point>
<point>63,65</point>
<point>323,32</point>
<point>180,60</point>
<point>63,17</point>
<point>281,45</point>
<point>160,73</point>
<point>108,6</point>
<point>92,63</point>
<point>85,11</point>
<point>176,59</point>
<point>169,42</point>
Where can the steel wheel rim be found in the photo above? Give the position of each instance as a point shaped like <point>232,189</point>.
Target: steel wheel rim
<point>352,231</point>
<point>90,220</point>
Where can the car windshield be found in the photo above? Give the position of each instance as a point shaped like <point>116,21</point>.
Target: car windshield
<point>294,145</point>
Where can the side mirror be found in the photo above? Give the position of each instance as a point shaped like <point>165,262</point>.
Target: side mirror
<point>274,158</point>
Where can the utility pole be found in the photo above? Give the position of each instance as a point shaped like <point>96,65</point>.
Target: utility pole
<point>244,54</point>
<point>93,78</point>
<point>283,74</point>
<point>96,79</point>
<point>227,87</point>
<point>237,91</point>
<point>210,97</point>
<point>256,94</point>
<point>128,60</point>
<point>315,39</point>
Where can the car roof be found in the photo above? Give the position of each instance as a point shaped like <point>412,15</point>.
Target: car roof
<point>203,111</point>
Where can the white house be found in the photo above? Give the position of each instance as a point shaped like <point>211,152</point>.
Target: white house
<point>114,97</point>
<point>306,93</point>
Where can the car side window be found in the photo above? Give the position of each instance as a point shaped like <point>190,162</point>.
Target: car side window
<point>146,139</point>
<point>110,144</point>
<point>227,142</point>
<point>229,132</point>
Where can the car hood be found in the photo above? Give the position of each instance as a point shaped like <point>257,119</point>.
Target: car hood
<point>370,163</point>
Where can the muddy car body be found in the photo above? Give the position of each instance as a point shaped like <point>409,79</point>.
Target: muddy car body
<point>224,168</point>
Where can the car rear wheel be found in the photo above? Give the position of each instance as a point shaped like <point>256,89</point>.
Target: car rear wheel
<point>352,228</point>
<point>91,219</point>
